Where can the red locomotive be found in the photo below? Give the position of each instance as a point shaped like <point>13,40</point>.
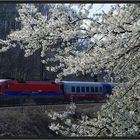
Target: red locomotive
<point>13,90</point>
<point>23,90</point>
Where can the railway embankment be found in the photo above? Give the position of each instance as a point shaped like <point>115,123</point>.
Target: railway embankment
<point>33,121</point>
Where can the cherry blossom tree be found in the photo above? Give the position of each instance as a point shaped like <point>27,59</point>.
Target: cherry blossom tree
<point>51,32</point>
<point>116,47</point>
<point>116,51</point>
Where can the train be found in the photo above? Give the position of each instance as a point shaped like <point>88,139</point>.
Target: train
<point>20,91</point>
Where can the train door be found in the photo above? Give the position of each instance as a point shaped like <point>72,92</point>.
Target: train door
<point>4,87</point>
<point>107,89</point>
<point>7,86</point>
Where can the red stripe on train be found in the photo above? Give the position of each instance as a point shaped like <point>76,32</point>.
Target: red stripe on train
<point>85,95</point>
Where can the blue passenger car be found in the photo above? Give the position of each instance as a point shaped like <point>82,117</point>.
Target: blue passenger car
<point>85,90</point>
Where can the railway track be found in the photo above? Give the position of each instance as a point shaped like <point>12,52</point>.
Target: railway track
<point>86,107</point>
<point>50,104</point>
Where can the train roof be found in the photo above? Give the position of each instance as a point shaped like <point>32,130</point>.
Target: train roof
<point>27,82</point>
<point>36,82</point>
<point>84,83</point>
<point>3,80</point>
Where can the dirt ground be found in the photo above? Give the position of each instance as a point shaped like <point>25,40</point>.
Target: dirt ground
<point>31,121</point>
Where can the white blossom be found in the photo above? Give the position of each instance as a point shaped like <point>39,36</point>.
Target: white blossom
<point>115,50</point>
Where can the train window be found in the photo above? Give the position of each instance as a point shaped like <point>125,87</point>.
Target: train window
<point>87,89</point>
<point>7,86</point>
<point>108,89</point>
<point>83,89</point>
<point>0,86</point>
<point>92,89</point>
<point>96,89</point>
<point>73,89</point>
<point>78,89</point>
